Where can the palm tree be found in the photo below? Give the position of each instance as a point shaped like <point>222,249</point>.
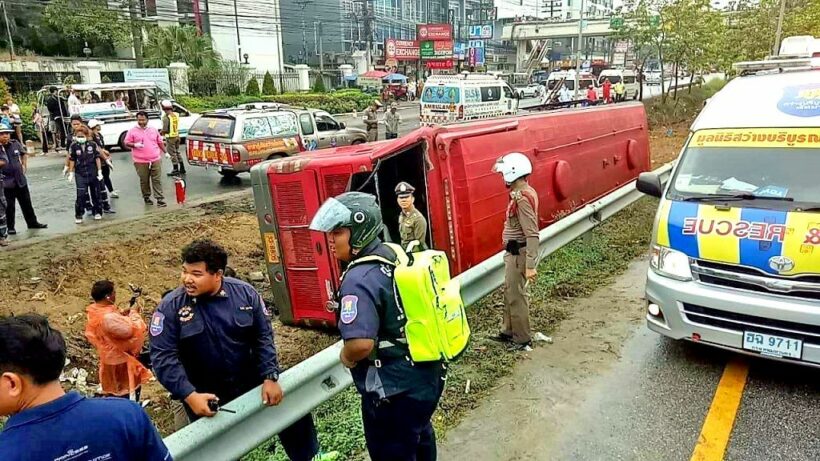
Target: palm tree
<point>179,44</point>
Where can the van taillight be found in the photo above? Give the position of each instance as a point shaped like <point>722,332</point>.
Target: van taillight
<point>235,156</point>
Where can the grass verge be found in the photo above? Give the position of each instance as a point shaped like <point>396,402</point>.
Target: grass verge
<point>576,270</point>
<point>684,108</point>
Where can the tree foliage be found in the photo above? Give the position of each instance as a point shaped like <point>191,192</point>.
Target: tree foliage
<point>268,87</point>
<point>88,20</point>
<point>179,44</point>
<point>319,84</point>
<point>253,87</point>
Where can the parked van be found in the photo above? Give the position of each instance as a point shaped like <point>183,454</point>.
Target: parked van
<point>735,255</point>
<point>233,140</point>
<point>629,77</point>
<point>585,80</point>
<point>578,156</point>
<point>453,98</point>
<point>117,105</point>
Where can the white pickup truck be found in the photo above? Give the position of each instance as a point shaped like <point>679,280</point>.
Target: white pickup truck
<point>117,105</point>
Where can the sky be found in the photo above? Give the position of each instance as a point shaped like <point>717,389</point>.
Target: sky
<point>512,8</point>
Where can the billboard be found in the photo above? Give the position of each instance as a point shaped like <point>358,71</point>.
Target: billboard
<point>481,32</point>
<point>475,56</point>
<point>158,76</point>
<point>460,51</point>
<point>440,64</point>
<point>401,50</point>
<point>434,32</point>
<point>436,49</point>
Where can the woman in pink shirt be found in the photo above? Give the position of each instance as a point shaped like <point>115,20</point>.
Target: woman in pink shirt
<point>146,147</point>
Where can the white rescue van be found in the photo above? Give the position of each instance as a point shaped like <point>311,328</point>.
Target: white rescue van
<point>454,98</point>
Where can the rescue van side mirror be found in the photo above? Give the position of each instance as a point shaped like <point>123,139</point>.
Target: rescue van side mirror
<point>650,184</point>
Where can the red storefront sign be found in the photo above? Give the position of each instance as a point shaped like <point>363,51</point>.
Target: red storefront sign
<point>439,64</point>
<point>434,32</point>
<point>401,50</point>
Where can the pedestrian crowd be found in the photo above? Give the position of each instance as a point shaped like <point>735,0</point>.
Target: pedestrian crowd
<point>88,163</point>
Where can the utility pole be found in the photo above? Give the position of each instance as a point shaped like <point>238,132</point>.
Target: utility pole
<point>238,41</point>
<point>8,30</point>
<point>578,48</point>
<point>136,31</point>
<point>779,32</point>
<point>321,52</point>
<point>302,5</point>
<point>367,17</point>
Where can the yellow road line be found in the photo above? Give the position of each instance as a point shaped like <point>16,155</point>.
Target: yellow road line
<point>717,428</point>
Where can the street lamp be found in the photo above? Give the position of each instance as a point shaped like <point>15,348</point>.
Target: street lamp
<point>245,57</point>
<point>86,50</point>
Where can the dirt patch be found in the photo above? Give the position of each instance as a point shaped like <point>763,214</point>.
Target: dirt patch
<point>54,278</point>
<point>665,143</point>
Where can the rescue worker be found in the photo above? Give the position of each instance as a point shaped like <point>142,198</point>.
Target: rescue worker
<point>607,91</point>
<point>170,129</point>
<point>412,225</point>
<point>15,183</point>
<point>564,95</point>
<point>47,423</point>
<point>118,338</point>
<point>399,396</point>
<point>592,96</point>
<point>392,119</point>
<point>84,160</point>
<point>620,91</point>
<point>520,238</point>
<point>371,120</point>
<point>212,340</point>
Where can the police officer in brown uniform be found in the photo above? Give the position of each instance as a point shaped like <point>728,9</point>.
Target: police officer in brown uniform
<point>521,244</point>
<point>412,225</point>
<point>371,121</point>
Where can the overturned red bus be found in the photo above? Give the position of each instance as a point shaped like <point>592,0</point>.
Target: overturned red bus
<point>578,156</point>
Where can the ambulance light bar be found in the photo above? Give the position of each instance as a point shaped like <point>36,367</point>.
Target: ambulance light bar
<point>779,64</point>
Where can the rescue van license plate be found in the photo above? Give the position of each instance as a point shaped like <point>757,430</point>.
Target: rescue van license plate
<point>774,346</point>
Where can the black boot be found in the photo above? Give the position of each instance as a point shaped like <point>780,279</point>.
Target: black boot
<point>174,172</point>
<point>181,168</point>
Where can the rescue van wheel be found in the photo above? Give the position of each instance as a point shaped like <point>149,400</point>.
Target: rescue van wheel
<point>228,174</point>
<point>121,142</point>
<point>356,142</point>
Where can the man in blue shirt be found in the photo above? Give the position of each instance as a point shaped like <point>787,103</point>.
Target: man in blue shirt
<point>46,423</point>
<point>211,339</point>
<point>399,396</point>
<point>15,183</point>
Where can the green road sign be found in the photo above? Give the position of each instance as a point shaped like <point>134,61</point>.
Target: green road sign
<point>616,23</point>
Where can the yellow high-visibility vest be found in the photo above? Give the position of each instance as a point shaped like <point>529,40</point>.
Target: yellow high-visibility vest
<point>173,125</point>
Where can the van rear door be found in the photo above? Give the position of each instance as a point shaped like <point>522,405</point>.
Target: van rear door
<point>209,140</point>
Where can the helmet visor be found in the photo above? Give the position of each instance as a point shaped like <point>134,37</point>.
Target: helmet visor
<point>331,216</point>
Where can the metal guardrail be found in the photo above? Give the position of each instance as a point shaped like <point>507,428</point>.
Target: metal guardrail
<point>322,376</point>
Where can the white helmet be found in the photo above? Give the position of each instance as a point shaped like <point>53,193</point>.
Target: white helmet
<point>513,166</point>
<point>166,104</point>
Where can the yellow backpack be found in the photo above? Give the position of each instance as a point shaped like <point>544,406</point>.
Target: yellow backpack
<point>437,327</point>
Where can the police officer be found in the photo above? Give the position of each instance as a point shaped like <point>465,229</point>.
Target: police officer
<point>520,240</point>
<point>412,225</point>
<point>15,184</point>
<point>371,120</point>
<point>85,159</point>
<point>398,395</point>
<point>211,340</point>
<point>170,129</point>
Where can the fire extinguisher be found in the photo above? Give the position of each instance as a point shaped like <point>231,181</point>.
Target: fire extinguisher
<point>179,185</point>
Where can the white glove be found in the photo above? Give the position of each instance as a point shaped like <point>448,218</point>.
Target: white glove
<point>99,175</point>
<point>110,163</point>
<point>65,171</point>
<point>139,145</point>
<point>168,156</point>
<point>71,176</point>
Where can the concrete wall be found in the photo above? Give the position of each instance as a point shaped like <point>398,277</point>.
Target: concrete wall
<point>64,65</point>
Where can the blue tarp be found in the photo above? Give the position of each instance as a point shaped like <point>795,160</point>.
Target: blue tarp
<point>351,77</point>
<point>393,77</point>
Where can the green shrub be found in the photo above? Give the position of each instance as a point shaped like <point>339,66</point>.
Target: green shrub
<point>319,84</point>
<point>268,88</point>
<point>334,103</point>
<point>232,90</point>
<point>253,88</point>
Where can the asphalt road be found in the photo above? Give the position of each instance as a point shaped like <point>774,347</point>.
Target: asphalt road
<point>53,197</point>
<point>648,401</point>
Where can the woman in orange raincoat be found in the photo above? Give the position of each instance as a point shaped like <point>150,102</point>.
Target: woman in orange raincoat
<point>118,339</point>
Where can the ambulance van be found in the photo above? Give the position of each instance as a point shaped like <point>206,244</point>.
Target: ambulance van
<point>456,98</point>
<point>735,255</point>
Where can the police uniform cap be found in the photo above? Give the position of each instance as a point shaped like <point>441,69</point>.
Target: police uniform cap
<point>404,189</point>
<point>377,103</point>
<point>5,128</point>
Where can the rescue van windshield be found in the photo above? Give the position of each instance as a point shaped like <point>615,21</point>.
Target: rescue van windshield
<point>764,168</point>
<point>441,95</point>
